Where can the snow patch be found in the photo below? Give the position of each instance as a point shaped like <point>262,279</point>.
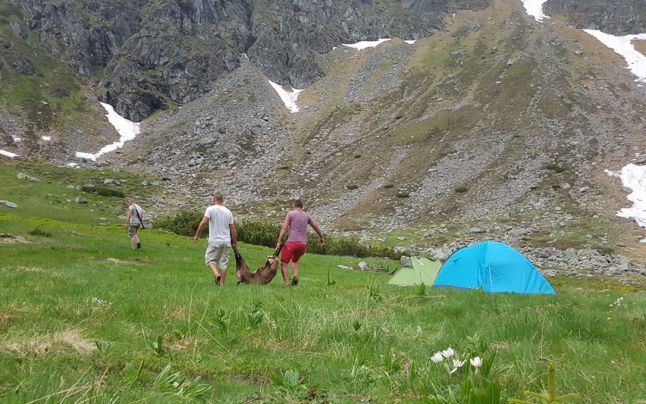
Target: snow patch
<point>127,130</point>
<point>288,97</point>
<point>633,177</point>
<point>410,41</point>
<point>73,165</point>
<point>8,154</point>
<point>361,45</point>
<point>46,138</point>
<point>535,9</point>
<point>623,46</point>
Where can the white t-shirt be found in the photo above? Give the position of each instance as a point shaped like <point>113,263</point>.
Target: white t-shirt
<point>134,219</point>
<point>219,220</point>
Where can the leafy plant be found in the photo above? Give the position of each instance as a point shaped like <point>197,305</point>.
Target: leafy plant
<point>461,190</point>
<point>330,282</point>
<point>420,289</point>
<point>289,382</point>
<point>222,320</point>
<point>158,346</point>
<point>175,382</point>
<point>356,324</point>
<point>549,396</point>
<point>255,316</point>
<point>132,373</point>
<point>374,292</point>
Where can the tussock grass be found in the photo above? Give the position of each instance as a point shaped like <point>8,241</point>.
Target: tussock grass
<point>58,342</point>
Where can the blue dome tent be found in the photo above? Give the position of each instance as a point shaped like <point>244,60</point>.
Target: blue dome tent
<point>493,267</point>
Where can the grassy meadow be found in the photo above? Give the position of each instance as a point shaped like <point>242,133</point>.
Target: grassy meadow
<point>85,319</point>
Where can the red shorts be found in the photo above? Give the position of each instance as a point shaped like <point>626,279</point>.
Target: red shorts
<point>293,251</point>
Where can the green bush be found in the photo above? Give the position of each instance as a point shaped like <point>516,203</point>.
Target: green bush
<point>39,232</point>
<point>91,189</point>
<point>555,167</point>
<point>461,190</point>
<point>183,223</point>
<point>265,234</point>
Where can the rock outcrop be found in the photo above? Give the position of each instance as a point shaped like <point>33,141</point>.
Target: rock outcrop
<point>154,55</point>
<point>619,17</point>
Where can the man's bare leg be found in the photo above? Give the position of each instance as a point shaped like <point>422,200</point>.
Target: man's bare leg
<point>223,276</point>
<point>283,271</point>
<point>134,241</point>
<point>214,268</point>
<point>295,270</point>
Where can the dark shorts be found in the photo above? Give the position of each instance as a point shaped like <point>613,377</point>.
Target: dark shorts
<point>132,230</point>
<point>293,251</point>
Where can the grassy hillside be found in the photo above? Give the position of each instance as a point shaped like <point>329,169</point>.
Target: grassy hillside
<point>83,318</point>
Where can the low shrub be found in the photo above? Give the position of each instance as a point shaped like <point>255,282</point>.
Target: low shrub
<point>461,190</point>
<point>40,233</point>
<point>265,234</point>
<point>183,223</point>
<point>555,167</point>
<point>103,191</point>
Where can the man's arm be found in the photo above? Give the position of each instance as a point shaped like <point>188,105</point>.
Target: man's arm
<point>283,232</point>
<point>200,228</point>
<point>129,217</point>
<point>318,231</point>
<point>234,235</point>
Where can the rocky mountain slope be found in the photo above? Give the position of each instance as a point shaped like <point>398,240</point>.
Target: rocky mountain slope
<point>155,54</point>
<point>490,125</point>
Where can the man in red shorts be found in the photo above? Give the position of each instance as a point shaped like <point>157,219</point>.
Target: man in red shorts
<point>296,226</point>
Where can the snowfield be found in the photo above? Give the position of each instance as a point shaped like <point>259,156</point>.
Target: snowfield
<point>127,130</point>
<point>288,97</point>
<point>535,9</point>
<point>7,154</point>
<point>361,45</point>
<point>623,46</point>
<point>633,177</point>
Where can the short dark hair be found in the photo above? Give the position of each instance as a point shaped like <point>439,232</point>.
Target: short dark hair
<point>297,203</point>
<point>218,196</point>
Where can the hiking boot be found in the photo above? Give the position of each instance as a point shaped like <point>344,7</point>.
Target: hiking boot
<point>295,281</point>
<point>138,246</point>
<point>217,280</point>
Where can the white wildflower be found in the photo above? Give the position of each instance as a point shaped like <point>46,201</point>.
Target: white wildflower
<point>476,362</point>
<point>447,353</point>
<point>457,364</point>
<point>437,358</point>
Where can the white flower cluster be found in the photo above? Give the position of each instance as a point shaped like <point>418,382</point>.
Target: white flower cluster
<point>100,302</point>
<point>448,353</point>
<point>617,302</point>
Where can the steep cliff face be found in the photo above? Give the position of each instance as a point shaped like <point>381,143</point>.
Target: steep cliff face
<point>150,55</point>
<point>619,17</point>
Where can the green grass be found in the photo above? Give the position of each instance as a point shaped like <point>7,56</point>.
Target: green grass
<point>84,318</point>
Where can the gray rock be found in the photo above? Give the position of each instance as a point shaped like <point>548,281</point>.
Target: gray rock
<point>81,200</point>
<point>9,204</point>
<point>23,176</point>
<point>476,230</point>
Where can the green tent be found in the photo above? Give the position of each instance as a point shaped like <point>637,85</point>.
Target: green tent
<point>423,271</point>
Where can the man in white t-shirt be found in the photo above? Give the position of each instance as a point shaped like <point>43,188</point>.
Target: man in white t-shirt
<point>222,236</point>
<point>133,222</point>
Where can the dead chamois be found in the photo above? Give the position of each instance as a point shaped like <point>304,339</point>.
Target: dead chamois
<point>262,275</point>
